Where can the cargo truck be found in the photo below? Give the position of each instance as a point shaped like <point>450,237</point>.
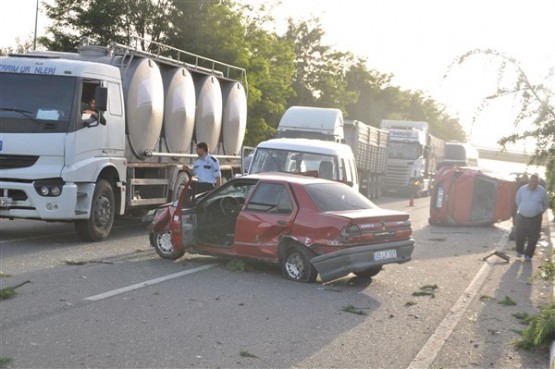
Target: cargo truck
<point>413,156</point>
<point>59,165</point>
<point>313,139</point>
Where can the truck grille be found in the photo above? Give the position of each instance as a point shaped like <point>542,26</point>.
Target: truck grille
<point>397,176</point>
<point>17,161</point>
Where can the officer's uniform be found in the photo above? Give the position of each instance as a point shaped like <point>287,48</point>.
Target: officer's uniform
<point>206,169</point>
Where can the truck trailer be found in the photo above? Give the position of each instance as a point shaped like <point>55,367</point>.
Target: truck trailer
<point>357,152</point>
<point>413,156</point>
<point>60,165</point>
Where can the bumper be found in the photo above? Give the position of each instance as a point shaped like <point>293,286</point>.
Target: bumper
<point>34,206</point>
<point>357,259</point>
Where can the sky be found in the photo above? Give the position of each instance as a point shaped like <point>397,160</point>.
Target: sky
<point>415,41</point>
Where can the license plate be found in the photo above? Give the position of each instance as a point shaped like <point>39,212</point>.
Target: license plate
<point>385,254</point>
<point>4,202</point>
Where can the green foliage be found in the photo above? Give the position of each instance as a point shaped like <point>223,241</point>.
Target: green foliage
<point>507,301</point>
<point>247,354</point>
<point>541,329</point>
<point>295,68</point>
<point>536,107</point>
<point>353,310</point>
<point>546,272</point>
<point>5,362</point>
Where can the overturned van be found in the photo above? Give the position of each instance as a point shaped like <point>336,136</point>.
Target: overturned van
<point>471,197</point>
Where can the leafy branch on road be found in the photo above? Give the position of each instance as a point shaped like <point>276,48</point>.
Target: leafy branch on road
<point>9,292</point>
<point>507,301</point>
<point>427,290</point>
<point>247,354</point>
<point>541,329</point>
<point>5,362</point>
<point>4,275</point>
<point>353,310</point>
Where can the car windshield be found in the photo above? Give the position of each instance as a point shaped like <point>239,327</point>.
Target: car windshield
<point>337,197</point>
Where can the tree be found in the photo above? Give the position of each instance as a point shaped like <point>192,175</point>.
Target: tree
<point>319,78</point>
<point>536,106</point>
<point>106,21</point>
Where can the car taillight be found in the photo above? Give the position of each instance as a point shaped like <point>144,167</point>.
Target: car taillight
<point>350,232</point>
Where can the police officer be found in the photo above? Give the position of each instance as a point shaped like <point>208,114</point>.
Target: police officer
<point>206,168</point>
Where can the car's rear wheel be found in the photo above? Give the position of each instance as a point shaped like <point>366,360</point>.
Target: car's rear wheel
<point>296,265</point>
<point>370,272</point>
<point>162,242</point>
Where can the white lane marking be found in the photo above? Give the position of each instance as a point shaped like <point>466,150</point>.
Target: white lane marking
<point>429,351</point>
<point>147,283</point>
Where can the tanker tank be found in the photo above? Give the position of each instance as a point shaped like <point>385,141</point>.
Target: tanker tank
<point>179,108</point>
<point>143,90</point>
<point>234,119</point>
<point>208,117</point>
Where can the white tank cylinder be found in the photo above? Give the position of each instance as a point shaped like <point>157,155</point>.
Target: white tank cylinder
<point>208,117</point>
<point>144,103</point>
<point>234,117</point>
<point>179,108</point>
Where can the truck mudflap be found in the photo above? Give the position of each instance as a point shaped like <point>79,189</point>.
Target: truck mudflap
<point>358,259</point>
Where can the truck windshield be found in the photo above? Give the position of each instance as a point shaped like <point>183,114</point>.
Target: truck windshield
<point>403,150</point>
<point>274,160</point>
<point>29,100</point>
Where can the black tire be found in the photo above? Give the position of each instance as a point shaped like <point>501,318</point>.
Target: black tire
<point>296,265</point>
<point>368,273</point>
<point>163,246</point>
<point>99,225</point>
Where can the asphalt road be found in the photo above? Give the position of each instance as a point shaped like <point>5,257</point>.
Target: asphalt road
<point>117,304</point>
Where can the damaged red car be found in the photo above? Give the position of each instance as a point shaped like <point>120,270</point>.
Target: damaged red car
<point>308,226</point>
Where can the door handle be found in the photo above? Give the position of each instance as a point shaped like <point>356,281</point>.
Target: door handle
<point>282,222</point>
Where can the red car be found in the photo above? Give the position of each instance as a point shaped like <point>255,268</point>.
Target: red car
<point>471,197</point>
<point>307,225</point>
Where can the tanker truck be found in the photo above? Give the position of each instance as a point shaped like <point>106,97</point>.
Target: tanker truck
<point>61,165</point>
<point>314,138</point>
<point>413,156</point>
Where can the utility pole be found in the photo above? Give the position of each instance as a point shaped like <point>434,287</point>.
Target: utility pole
<point>36,20</point>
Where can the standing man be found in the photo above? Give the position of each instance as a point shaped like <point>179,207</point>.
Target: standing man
<point>531,202</point>
<point>206,168</point>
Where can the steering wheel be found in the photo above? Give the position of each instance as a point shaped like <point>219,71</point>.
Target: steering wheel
<point>230,206</point>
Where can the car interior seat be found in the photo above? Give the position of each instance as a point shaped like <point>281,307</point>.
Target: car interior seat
<point>325,170</point>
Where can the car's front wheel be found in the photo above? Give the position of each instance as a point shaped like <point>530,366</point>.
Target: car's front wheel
<point>296,265</point>
<point>370,272</point>
<point>162,242</point>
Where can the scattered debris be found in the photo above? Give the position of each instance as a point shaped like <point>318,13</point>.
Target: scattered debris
<point>5,362</point>
<point>238,266</point>
<point>4,275</point>
<point>352,309</point>
<point>507,301</point>
<point>9,292</point>
<point>500,254</point>
<point>523,318</point>
<point>247,354</point>
<point>410,303</point>
<point>438,239</point>
<point>486,297</point>
<point>426,290</point>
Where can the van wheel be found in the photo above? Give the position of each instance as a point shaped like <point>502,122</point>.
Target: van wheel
<point>296,265</point>
<point>99,224</point>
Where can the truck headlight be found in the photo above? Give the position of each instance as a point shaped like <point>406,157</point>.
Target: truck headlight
<point>49,187</point>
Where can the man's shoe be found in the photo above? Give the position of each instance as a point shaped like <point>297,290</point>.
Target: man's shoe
<point>528,258</point>
<point>519,255</point>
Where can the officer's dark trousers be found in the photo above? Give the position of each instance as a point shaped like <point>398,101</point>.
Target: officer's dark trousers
<point>527,229</point>
<point>204,186</point>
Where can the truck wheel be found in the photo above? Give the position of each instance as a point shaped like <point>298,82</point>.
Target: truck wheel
<point>99,225</point>
<point>296,265</point>
<point>369,272</point>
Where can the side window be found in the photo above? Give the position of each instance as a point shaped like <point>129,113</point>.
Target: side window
<point>115,105</point>
<point>270,198</point>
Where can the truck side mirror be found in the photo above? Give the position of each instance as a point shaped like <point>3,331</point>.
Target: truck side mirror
<point>101,96</point>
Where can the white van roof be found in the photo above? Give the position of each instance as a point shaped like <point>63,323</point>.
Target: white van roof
<point>308,145</point>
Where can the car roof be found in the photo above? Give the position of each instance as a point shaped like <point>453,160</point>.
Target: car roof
<point>288,177</point>
<point>308,145</point>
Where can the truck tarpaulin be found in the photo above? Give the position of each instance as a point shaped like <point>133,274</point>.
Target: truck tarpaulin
<point>471,197</point>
